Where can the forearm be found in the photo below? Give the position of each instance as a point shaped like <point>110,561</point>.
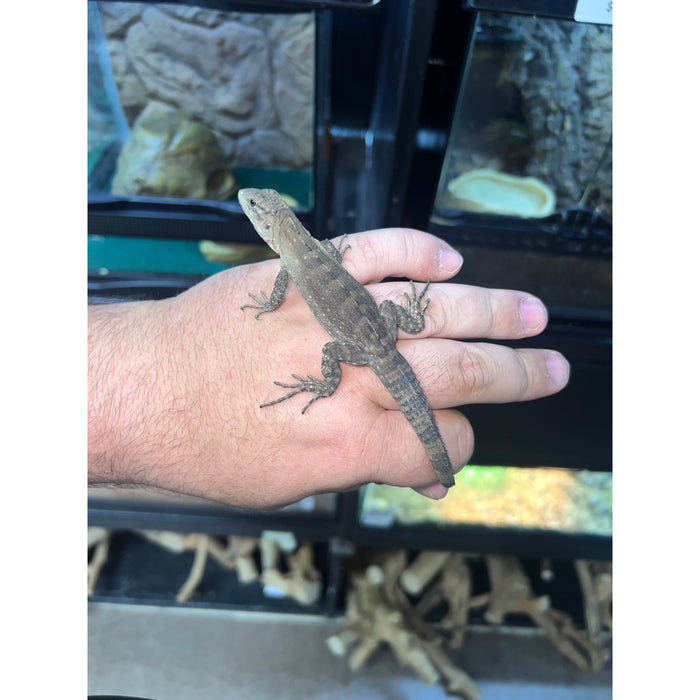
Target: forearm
<point>165,405</point>
<point>126,377</point>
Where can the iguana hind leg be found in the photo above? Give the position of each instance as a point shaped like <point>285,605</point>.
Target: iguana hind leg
<point>333,354</point>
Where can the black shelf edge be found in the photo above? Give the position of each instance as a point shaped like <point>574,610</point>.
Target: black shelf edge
<point>277,6</point>
<point>577,232</point>
<point>556,9</point>
<point>480,539</point>
<point>265,605</point>
<point>341,525</point>
<point>184,219</point>
<point>103,512</point>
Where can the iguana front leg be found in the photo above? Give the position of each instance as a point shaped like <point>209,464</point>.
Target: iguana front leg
<point>338,252</point>
<point>279,291</point>
<point>265,303</point>
<point>333,354</point>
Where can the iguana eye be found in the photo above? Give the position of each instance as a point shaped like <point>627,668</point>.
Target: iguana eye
<point>252,203</point>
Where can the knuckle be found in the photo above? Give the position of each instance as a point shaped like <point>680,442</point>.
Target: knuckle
<point>486,311</point>
<point>437,317</point>
<point>370,256</point>
<point>530,374</point>
<point>465,440</point>
<point>477,371</point>
<point>437,320</point>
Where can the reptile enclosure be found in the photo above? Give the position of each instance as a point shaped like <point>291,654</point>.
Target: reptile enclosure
<point>485,123</point>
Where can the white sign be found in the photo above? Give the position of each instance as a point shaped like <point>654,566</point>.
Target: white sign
<point>594,11</point>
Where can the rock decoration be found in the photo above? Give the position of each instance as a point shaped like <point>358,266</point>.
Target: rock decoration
<point>247,77</point>
<point>170,154</point>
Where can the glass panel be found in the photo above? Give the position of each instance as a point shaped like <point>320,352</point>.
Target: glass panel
<point>194,103</point>
<point>533,128</point>
<point>549,499</point>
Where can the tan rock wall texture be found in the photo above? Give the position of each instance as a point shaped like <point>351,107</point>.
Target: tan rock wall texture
<point>248,77</point>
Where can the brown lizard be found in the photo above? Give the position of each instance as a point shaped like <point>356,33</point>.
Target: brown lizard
<point>362,332</point>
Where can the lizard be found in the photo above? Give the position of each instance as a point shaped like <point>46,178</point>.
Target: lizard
<point>362,333</point>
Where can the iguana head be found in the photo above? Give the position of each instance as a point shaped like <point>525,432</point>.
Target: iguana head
<point>265,209</point>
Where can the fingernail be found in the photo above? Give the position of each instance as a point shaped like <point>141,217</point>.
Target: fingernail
<point>450,260</point>
<point>434,491</point>
<point>557,368</point>
<point>532,313</point>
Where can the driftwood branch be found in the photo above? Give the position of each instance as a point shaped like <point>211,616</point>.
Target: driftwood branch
<point>99,538</point>
<point>238,554</point>
<point>456,585</point>
<point>511,592</point>
<point>595,607</point>
<point>379,613</point>
<point>301,580</point>
<point>602,581</point>
<point>422,570</point>
<point>194,578</point>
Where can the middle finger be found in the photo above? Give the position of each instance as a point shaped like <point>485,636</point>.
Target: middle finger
<point>465,311</point>
<point>454,373</point>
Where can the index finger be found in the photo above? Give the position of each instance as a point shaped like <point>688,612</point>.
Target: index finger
<point>399,252</point>
<point>456,310</point>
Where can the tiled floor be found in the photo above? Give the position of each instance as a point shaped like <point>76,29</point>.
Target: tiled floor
<point>169,653</point>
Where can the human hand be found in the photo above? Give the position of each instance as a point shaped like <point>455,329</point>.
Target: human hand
<point>176,385</point>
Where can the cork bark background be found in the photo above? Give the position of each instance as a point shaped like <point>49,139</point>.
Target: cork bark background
<point>563,71</point>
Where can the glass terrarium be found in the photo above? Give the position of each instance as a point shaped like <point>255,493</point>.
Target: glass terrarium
<point>532,133</point>
<point>193,103</point>
<point>560,500</point>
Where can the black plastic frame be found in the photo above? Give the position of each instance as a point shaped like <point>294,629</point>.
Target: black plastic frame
<point>344,531</point>
<point>556,9</point>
